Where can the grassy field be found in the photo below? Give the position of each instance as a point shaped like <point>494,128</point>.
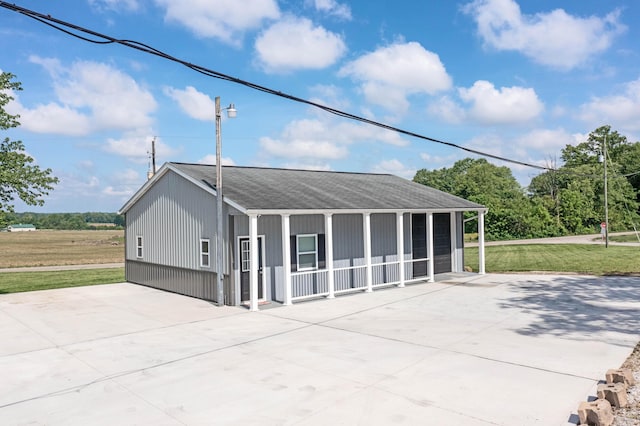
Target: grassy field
<point>14,282</point>
<point>46,248</point>
<point>578,258</point>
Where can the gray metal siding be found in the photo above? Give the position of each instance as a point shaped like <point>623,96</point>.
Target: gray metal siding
<point>307,224</point>
<point>271,228</point>
<point>188,282</point>
<point>384,248</point>
<point>172,217</point>
<point>348,250</point>
<point>408,247</point>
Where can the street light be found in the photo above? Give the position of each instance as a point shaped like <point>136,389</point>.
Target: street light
<point>231,113</point>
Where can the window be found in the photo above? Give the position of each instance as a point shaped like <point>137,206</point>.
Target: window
<point>307,252</point>
<point>245,255</point>
<point>204,253</point>
<point>139,247</point>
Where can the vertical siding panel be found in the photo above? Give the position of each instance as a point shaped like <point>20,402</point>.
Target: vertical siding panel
<point>348,251</point>
<point>171,217</point>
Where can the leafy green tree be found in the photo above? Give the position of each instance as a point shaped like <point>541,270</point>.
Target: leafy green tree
<point>18,175</point>
<point>511,214</point>
<point>574,193</point>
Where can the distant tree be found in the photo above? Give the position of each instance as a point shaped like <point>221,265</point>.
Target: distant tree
<point>18,175</point>
<point>574,193</point>
<point>511,214</point>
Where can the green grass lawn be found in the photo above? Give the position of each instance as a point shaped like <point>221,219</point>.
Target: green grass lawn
<point>629,238</point>
<point>579,258</point>
<point>14,282</point>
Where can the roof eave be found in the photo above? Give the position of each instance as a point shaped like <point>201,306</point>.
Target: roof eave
<point>259,212</point>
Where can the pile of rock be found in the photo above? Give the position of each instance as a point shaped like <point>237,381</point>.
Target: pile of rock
<point>613,393</point>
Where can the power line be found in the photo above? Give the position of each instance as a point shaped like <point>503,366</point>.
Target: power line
<point>103,39</point>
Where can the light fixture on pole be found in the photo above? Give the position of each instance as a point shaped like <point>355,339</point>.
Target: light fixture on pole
<point>231,113</point>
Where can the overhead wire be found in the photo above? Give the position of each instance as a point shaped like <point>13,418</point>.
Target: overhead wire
<point>57,23</point>
<point>106,39</point>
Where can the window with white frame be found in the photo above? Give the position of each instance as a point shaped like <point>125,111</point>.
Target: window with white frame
<point>245,256</point>
<point>204,253</point>
<point>139,247</point>
<point>307,252</point>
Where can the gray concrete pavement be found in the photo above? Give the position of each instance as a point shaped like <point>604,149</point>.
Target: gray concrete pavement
<point>472,350</point>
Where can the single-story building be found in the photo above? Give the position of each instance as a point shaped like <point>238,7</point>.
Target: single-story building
<point>290,235</point>
<point>21,227</point>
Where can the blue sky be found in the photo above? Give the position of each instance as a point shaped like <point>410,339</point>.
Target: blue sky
<point>520,79</point>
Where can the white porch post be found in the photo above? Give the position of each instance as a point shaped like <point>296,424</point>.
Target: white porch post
<point>400,245</point>
<point>286,258</point>
<point>328,240</point>
<point>481,242</point>
<point>253,267</point>
<point>430,246</point>
<point>366,227</point>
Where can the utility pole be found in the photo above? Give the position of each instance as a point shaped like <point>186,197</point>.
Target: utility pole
<point>606,201</point>
<point>219,227</point>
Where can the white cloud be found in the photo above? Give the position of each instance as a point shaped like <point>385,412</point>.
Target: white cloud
<point>554,39</point>
<point>303,149</point>
<point>390,74</point>
<point>128,176</point>
<point>504,106</point>
<point>620,110</point>
<point>295,43</point>
<point>318,165</point>
<point>135,147</point>
<point>73,186</point>
<point>436,161</point>
<point>333,8</point>
<point>347,132</point>
<point>546,140</point>
<point>394,167</point>
<point>211,159</point>
<point>225,20</point>
<point>116,5</point>
<point>51,118</point>
<point>447,109</point>
<point>124,183</point>
<point>324,140</point>
<point>328,95</point>
<point>305,139</point>
<point>123,193</point>
<point>90,96</point>
<point>194,103</point>
<point>489,143</point>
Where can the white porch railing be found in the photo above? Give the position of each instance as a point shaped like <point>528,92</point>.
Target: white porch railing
<point>312,284</point>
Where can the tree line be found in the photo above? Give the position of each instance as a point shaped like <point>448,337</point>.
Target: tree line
<point>66,221</point>
<point>562,201</point>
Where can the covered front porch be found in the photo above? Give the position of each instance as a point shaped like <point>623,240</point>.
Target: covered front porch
<point>325,270</point>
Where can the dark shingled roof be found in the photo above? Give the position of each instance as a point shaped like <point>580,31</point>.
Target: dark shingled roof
<point>256,188</point>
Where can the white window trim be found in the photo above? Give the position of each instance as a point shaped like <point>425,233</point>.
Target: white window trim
<point>208,253</point>
<point>313,268</point>
<point>139,247</point>
<point>243,259</point>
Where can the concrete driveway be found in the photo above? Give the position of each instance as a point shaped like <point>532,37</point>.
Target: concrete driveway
<point>472,350</point>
